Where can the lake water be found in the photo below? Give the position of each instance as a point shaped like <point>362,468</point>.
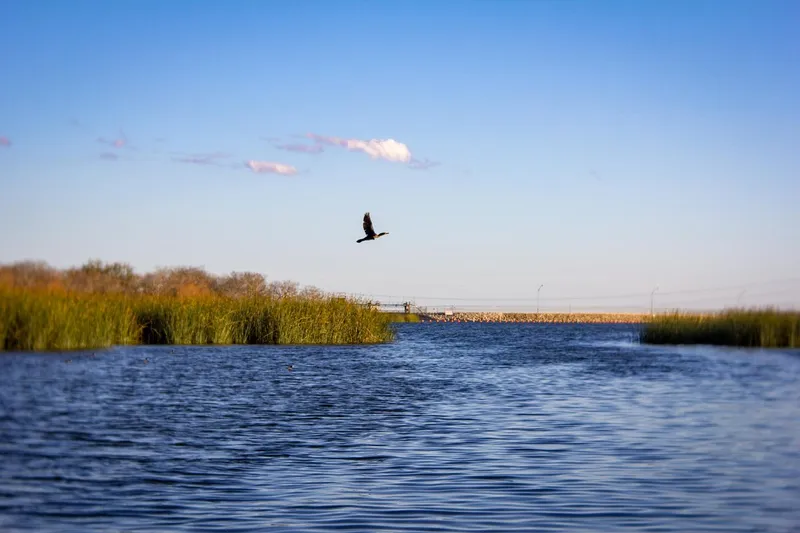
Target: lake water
<point>454,427</point>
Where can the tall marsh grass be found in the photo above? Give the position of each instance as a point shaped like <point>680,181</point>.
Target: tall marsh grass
<point>58,320</point>
<point>766,328</point>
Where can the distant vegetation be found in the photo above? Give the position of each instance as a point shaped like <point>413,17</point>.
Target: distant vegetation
<point>403,317</point>
<point>767,328</point>
<point>99,305</point>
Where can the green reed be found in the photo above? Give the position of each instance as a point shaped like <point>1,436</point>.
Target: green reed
<point>47,321</point>
<point>766,328</point>
<point>41,320</point>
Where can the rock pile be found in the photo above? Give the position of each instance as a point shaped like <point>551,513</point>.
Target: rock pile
<point>572,318</point>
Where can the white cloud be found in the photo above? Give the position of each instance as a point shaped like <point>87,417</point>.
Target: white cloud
<point>387,149</point>
<point>275,168</point>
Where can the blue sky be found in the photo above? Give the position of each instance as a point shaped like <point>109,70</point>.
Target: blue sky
<point>598,148</point>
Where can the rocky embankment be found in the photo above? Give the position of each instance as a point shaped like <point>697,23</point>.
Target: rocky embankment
<point>572,318</point>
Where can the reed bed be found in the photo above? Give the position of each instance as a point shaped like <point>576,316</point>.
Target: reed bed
<point>56,320</point>
<point>766,328</point>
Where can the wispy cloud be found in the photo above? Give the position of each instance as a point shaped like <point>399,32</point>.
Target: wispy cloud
<point>202,159</point>
<point>422,165</point>
<point>387,149</point>
<point>116,143</point>
<point>109,156</point>
<point>303,148</point>
<point>269,167</point>
<point>119,142</point>
<point>5,141</point>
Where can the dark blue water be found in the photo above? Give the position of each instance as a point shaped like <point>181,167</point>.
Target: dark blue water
<point>454,427</point>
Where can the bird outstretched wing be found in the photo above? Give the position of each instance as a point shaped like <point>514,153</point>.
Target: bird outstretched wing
<point>368,229</point>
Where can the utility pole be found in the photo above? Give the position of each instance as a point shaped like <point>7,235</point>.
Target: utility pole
<point>739,299</point>
<point>651,300</point>
<point>537,297</point>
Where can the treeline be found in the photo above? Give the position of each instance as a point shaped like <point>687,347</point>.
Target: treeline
<point>96,276</point>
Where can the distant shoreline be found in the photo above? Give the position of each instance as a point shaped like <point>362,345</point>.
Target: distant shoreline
<point>542,318</point>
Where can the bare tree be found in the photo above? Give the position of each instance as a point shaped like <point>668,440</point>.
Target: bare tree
<point>95,276</point>
<point>29,275</point>
<point>242,284</point>
<point>282,289</point>
<point>179,281</point>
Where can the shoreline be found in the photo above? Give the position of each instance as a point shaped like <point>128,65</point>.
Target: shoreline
<point>538,318</point>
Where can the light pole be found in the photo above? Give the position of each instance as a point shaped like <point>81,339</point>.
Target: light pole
<point>537,297</point>
<point>651,300</point>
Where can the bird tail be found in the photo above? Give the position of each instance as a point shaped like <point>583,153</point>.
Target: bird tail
<point>361,240</point>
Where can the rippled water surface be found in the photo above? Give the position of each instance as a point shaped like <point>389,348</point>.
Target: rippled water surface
<point>454,427</point>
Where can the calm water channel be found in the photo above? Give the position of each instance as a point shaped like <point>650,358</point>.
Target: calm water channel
<point>454,427</point>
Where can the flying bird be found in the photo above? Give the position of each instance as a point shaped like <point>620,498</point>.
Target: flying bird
<point>369,230</point>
